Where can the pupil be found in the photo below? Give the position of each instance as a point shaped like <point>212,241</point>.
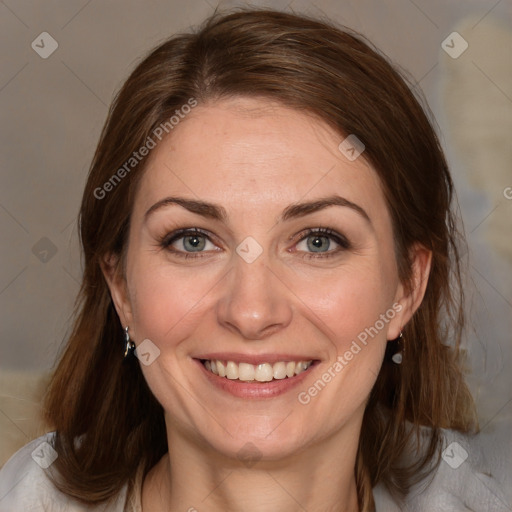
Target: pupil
<point>318,243</point>
<point>194,242</point>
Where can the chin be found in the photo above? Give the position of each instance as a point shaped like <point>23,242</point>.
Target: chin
<point>259,444</point>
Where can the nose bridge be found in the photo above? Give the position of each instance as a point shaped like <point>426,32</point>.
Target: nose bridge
<point>254,302</point>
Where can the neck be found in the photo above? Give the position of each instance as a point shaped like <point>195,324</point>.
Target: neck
<point>193,478</point>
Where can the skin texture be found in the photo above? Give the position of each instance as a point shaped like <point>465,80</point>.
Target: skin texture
<point>254,158</point>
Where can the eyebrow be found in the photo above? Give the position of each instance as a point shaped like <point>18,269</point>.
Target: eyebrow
<point>200,207</point>
<point>302,209</point>
<point>296,210</point>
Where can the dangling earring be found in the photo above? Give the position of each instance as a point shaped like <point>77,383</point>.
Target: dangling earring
<point>395,349</point>
<point>129,345</point>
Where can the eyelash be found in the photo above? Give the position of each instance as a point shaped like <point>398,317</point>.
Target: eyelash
<point>339,239</point>
<point>170,238</point>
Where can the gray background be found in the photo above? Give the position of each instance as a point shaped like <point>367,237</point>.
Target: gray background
<point>53,110</point>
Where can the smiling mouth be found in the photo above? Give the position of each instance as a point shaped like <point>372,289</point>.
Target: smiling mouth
<point>264,372</point>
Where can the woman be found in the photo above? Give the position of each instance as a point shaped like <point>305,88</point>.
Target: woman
<point>271,311</point>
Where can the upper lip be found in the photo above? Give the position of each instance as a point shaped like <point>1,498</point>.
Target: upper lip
<point>254,359</point>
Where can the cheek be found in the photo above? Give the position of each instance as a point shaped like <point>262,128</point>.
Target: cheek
<point>353,309</point>
<point>348,302</point>
<point>165,304</point>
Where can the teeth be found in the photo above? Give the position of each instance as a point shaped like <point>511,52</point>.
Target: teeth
<point>245,371</point>
<point>264,372</point>
<point>279,370</point>
<point>232,370</point>
<point>221,369</point>
<point>300,367</point>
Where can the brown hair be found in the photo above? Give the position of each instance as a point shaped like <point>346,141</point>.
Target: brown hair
<point>334,74</point>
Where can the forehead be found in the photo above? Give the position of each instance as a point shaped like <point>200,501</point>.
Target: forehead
<point>255,155</point>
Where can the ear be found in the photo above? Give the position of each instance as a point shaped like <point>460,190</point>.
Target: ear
<point>410,296</point>
<point>114,275</point>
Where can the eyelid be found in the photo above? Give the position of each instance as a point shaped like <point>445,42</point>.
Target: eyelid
<point>341,240</point>
<point>167,240</point>
<point>171,237</point>
<point>327,232</point>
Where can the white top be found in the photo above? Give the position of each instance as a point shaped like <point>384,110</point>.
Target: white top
<point>462,483</point>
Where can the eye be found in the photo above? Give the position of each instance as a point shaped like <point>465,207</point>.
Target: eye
<point>321,242</point>
<point>185,242</point>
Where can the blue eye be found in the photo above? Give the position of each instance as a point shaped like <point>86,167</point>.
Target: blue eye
<point>313,243</point>
<point>322,242</point>
<point>316,243</point>
<point>186,241</point>
<point>193,243</point>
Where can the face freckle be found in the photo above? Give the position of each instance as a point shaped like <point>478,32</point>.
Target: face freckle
<point>253,235</point>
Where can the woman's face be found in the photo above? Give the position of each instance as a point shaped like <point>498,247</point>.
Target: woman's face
<point>255,240</point>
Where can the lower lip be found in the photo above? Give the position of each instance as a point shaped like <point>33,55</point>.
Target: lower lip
<point>255,390</point>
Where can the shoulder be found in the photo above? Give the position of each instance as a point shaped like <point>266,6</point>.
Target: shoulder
<point>468,478</point>
<point>24,484</point>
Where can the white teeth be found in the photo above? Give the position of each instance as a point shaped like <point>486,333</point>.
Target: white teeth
<point>264,372</point>
<point>245,371</point>
<point>300,367</point>
<point>279,370</point>
<point>232,370</point>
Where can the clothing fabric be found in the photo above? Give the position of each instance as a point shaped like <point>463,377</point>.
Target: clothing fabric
<point>25,486</point>
<point>461,483</point>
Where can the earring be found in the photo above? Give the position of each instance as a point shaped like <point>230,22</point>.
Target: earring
<point>395,349</point>
<point>129,345</point>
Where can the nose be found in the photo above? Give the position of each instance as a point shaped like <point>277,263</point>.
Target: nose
<point>255,303</point>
